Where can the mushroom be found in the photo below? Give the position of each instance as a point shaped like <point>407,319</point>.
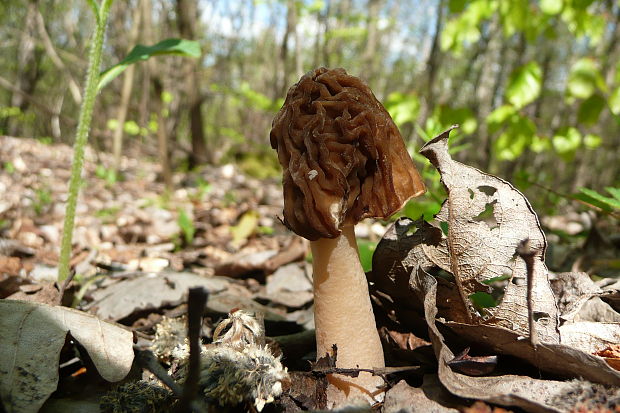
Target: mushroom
<point>343,160</point>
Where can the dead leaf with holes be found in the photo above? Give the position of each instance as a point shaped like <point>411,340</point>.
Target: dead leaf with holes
<point>478,289</point>
<point>530,394</point>
<point>483,220</point>
<point>36,333</point>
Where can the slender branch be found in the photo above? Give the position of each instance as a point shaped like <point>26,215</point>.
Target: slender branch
<point>526,253</point>
<point>53,55</point>
<point>147,360</point>
<point>64,285</point>
<point>195,306</point>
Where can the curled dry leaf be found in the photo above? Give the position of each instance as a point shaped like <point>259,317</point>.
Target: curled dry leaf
<point>533,395</point>
<point>474,240</point>
<point>611,354</point>
<point>36,333</point>
<point>485,219</point>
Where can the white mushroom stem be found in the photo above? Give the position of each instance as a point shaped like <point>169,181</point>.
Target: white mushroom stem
<point>343,316</point>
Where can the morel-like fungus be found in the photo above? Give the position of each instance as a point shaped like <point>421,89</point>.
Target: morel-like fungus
<point>343,160</point>
<point>343,157</point>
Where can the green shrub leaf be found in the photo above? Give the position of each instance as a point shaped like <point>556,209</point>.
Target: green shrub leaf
<point>524,85</point>
<point>180,47</point>
<point>566,142</point>
<point>590,109</point>
<point>584,78</point>
<point>551,7</point>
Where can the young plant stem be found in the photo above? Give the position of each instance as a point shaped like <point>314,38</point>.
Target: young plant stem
<point>86,112</point>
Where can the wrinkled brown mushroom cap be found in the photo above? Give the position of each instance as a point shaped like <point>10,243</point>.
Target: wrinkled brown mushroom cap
<point>343,157</point>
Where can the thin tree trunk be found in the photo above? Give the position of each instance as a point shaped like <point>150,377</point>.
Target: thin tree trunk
<point>162,135</point>
<point>290,31</point>
<point>27,65</point>
<point>157,85</point>
<point>121,117</point>
<point>51,51</point>
<point>432,67</point>
<point>187,14</point>
<point>372,41</point>
<point>143,109</point>
<point>299,70</point>
<point>486,90</point>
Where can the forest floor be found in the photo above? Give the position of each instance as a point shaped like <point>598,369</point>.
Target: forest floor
<point>138,247</point>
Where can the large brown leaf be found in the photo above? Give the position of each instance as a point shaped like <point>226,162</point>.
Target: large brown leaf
<point>33,335</point>
<point>533,395</point>
<point>486,219</point>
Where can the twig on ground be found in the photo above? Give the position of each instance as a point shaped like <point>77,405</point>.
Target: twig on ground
<point>147,360</point>
<point>196,302</point>
<point>526,253</point>
<point>377,371</point>
<point>64,286</point>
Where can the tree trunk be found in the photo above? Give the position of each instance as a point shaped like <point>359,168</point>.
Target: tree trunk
<point>162,135</point>
<point>28,72</point>
<point>117,140</point>
<point>486,90</point>
<point>187,13</point>
<point>372,41</point>
<point>157,85</point>
<point>432,67</point>
<point>51,52</point>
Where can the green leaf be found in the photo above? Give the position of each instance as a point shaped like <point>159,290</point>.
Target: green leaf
<point>590,109</point>
<point>518,134</point>
<point>582,4</point>
<point>496,279</point>
<point>257,99</point>
<point>463,28</point>
<point>366,249</point>
<point>499,116</point>
<point>614,101</point>
<point>187,226</point>
<point>246,226</point>
<point>612,202</point>
<point>592,141</point>
<point>524,85</point>
<point>598,200</point>
<point>456,6</point>
<point>402,107</point>
<point>445,227</point>
<point>515,15</point>
<point>584,78</point>
<point>613,191</point>
<point>464,117</point>
<point>424,208</point>
<point>180,47</point>
<point>566,142</point>
<point>551,7</point>
<point>540,144</point>
<point>483,300</point>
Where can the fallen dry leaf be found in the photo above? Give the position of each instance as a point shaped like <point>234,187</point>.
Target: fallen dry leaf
<point>36,333</point>
<point>533,395</point>
<point>611,354</point>
<point>485,219</point>
<point>149,292</point>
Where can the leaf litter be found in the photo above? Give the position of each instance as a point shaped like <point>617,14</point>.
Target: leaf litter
<point>438,287</point>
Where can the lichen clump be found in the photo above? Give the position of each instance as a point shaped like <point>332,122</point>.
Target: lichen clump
<point>237,368</point>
